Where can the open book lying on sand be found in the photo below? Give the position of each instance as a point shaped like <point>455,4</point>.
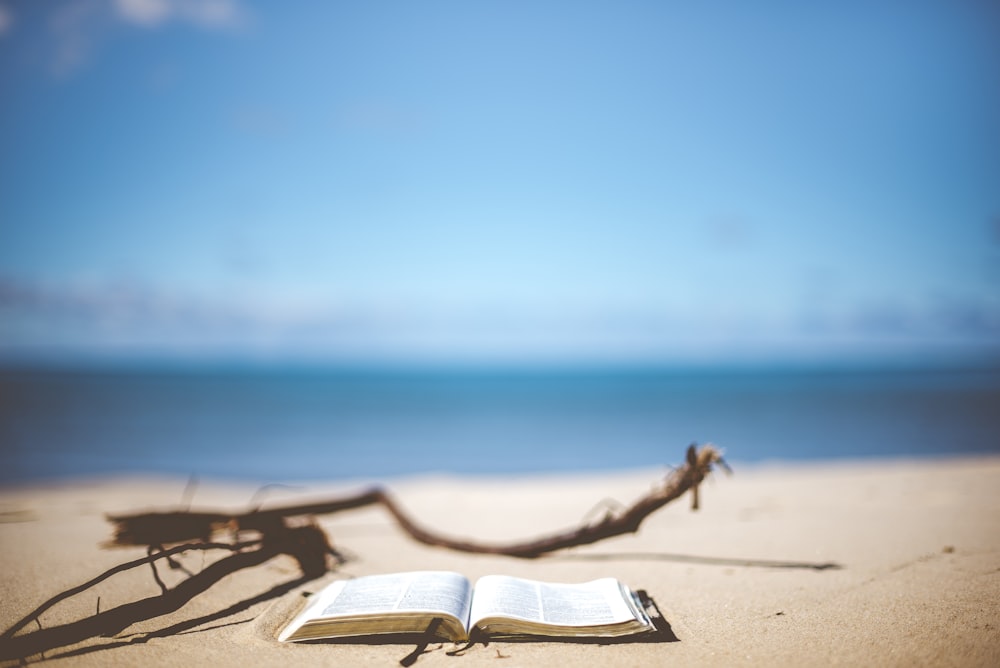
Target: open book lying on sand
<point>445,605</point>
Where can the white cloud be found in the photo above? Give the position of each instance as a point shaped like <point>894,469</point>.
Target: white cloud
<point>6,20</point>
<point>143,12</point>
<point>76,27</point>
<point>79,26</point>
<point>212,13</point>
<point>205,13</point>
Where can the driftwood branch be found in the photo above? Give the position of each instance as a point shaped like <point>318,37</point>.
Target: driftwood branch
<point>164,528</point>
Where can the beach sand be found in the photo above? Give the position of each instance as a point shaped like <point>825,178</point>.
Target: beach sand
<point>872,563</point>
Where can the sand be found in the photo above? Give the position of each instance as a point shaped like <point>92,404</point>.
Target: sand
<point>743,581</point>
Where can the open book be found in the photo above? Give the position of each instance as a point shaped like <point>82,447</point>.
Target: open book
<point>445,604</point>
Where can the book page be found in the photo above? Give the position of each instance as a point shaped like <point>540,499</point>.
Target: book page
<point>596,603</point>
<point>396,603</point>
<point>423,591</point>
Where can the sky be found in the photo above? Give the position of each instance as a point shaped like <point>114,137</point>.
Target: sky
<point>499,182</point>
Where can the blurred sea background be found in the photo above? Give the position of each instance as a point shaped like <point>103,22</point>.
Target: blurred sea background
<point>279,241</point>
<point>292,424</point>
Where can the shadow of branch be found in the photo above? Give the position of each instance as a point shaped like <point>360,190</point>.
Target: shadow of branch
<point>697,559</point>
<point>189,626</point>
<point>114,621</point>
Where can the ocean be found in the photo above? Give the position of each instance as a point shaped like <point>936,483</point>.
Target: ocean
<point>274,424</point>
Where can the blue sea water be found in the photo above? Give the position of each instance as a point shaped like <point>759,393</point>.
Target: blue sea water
<point>288,424</point>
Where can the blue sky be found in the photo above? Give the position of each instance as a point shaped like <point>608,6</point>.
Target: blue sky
<point>499,181</point>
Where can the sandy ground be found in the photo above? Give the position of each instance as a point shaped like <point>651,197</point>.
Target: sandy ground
<point>916,545</point>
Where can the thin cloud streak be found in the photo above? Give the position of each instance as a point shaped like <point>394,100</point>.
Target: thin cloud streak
<point>89,317</point>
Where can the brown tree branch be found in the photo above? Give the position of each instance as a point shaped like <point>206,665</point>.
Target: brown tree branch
<point>150,528</point>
